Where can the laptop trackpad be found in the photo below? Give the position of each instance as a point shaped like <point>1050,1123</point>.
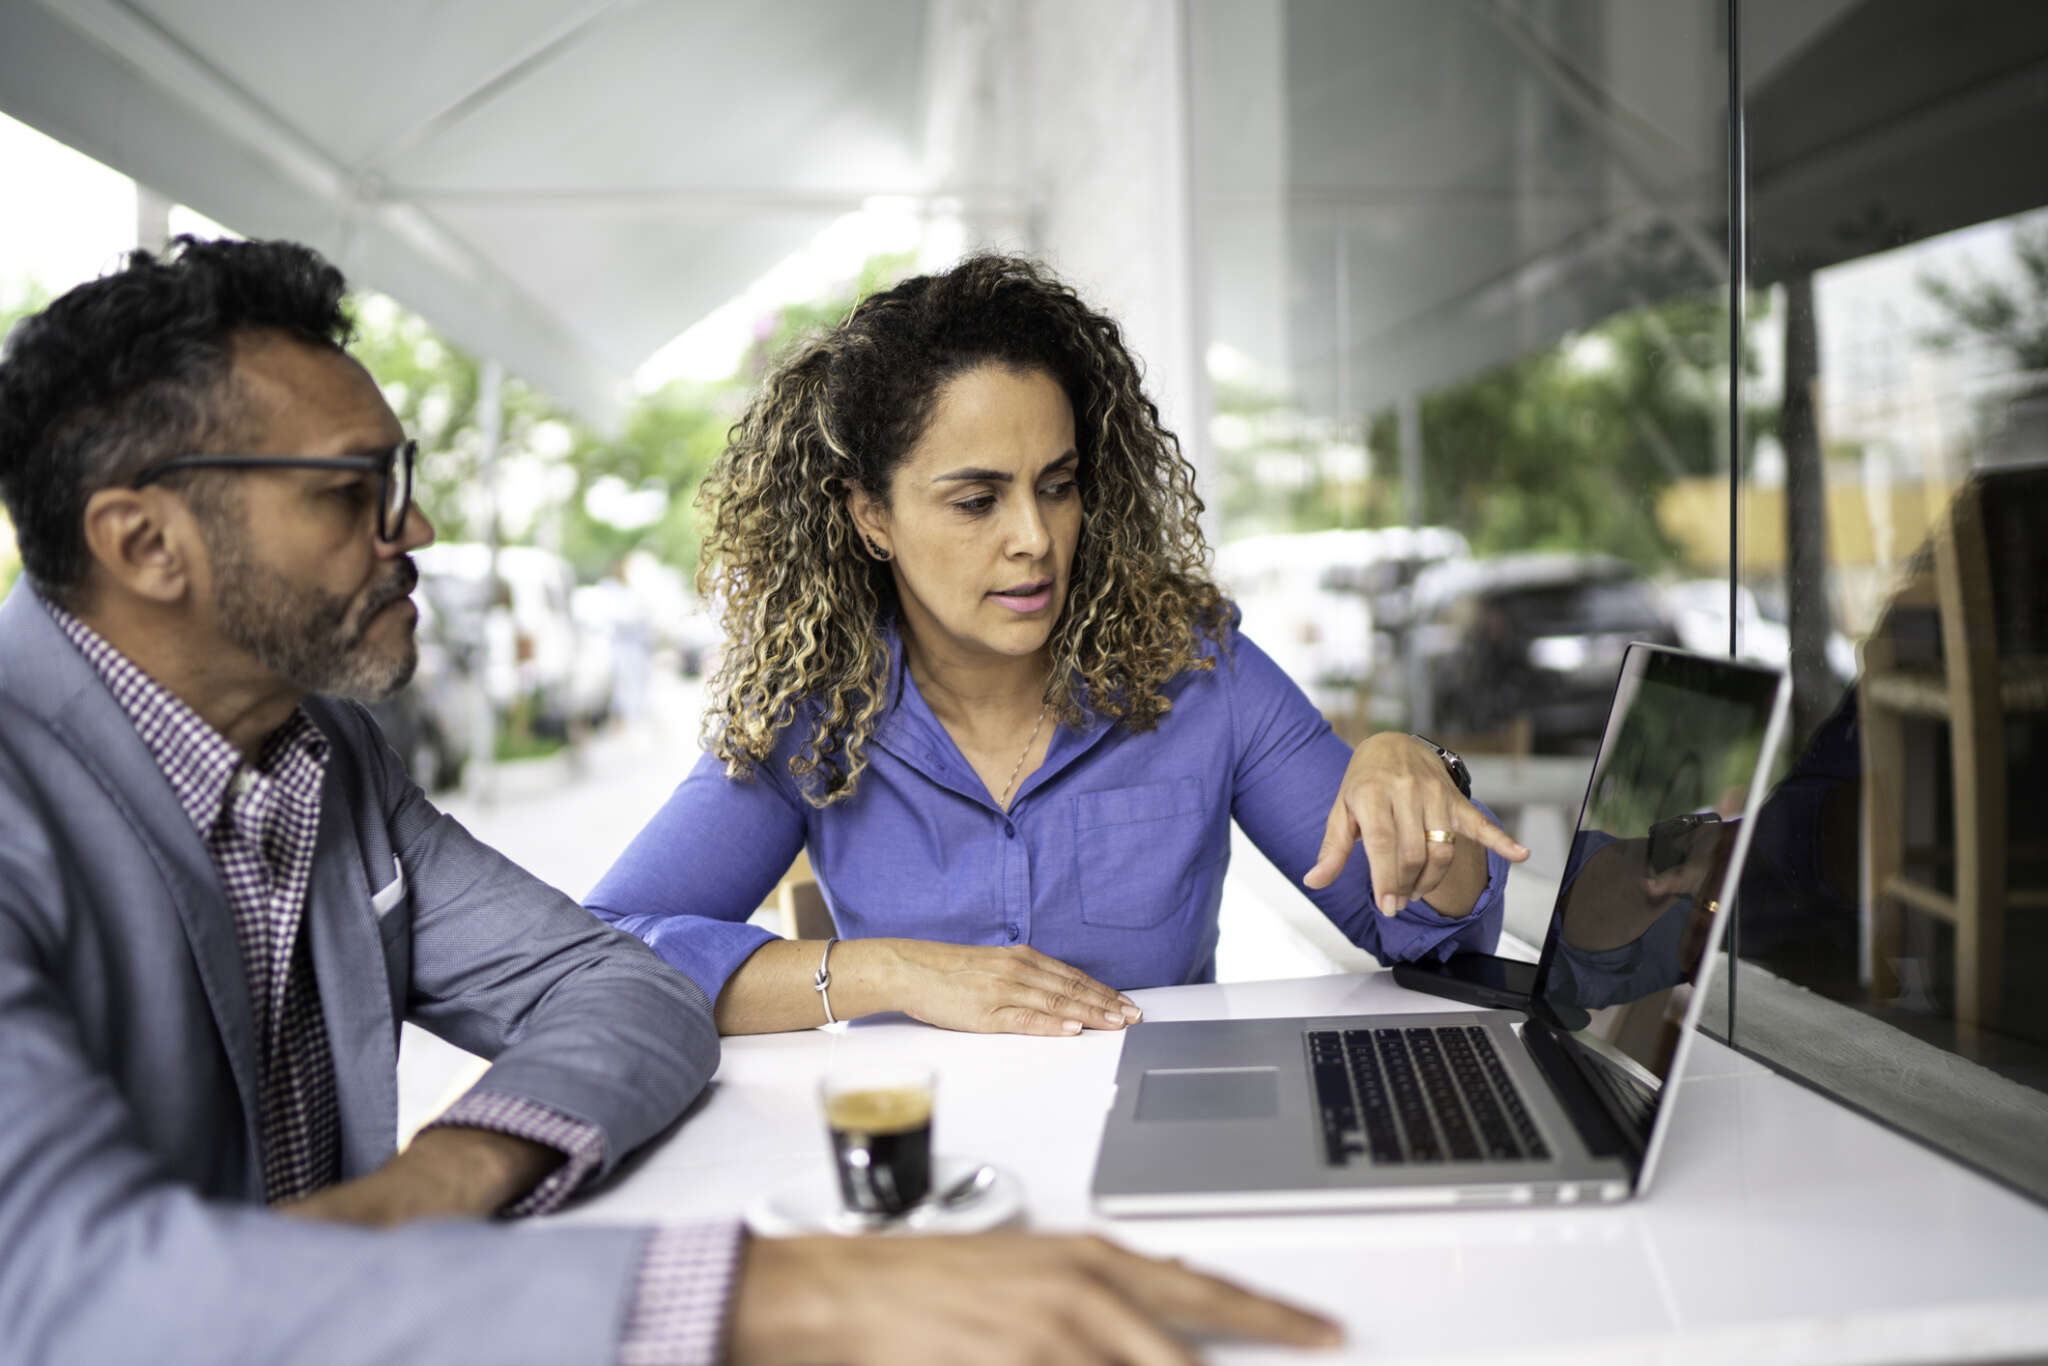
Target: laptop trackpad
<point>1209,1093</point>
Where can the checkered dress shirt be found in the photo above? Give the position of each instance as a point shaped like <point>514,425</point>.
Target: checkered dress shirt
<point>260,826</point>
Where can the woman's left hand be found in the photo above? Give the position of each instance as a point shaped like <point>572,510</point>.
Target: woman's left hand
<point>1394,794</point>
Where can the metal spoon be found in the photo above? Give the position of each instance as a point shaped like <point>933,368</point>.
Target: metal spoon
<point>965,1191</point>
<point>968,1188</point>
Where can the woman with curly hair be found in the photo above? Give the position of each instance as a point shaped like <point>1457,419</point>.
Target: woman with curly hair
<point>974,666</point>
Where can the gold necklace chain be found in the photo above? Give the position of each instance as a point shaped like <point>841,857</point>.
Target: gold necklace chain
<point>1018,767</point>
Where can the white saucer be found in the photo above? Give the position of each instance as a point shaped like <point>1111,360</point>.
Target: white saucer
<point>810,1204</point>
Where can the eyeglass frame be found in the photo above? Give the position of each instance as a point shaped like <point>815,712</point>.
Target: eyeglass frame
<point>403,455</point>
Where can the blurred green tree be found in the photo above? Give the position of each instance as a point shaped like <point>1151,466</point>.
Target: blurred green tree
<point>1566,448</point>
<point>1569,448</point>
<point>433,386</point>
<point>2013,320</point>
<point>661,452</point>
<point>793,322</point>
<point>671,437</point>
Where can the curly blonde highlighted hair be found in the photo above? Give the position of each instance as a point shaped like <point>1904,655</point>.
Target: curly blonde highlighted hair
<point>803,608</point>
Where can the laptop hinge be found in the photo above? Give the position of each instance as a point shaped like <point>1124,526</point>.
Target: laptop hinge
<point>1603,1133</point>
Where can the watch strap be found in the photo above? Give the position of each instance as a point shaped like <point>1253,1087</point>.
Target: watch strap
<point>1453,765</point>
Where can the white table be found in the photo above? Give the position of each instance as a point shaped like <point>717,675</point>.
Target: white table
<point>1782,1227</point>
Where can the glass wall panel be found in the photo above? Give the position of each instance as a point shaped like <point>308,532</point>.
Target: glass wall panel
<point>1895,923</point>
<point>1465,276</point>
<point>1466,282</point>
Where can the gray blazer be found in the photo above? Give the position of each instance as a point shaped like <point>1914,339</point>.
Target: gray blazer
<point>131,1222</point>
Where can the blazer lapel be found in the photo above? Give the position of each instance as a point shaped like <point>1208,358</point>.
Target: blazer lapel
<point>348,964</point>
<point>41,669</point>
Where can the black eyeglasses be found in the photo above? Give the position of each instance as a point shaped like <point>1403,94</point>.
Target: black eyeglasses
<point>393,468</point>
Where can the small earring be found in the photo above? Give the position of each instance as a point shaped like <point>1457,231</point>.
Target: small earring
<point>876,550</point>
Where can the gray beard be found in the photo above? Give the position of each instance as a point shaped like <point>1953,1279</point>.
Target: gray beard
<point>309,636</point>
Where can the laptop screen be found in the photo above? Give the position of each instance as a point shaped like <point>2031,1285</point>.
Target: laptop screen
<point>1649,860</point>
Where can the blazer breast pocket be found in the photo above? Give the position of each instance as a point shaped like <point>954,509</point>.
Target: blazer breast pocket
<point>1138,851</point>
<point>391,904</point>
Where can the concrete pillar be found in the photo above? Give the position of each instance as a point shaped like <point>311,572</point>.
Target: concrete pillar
<point>152,219</point>
<point>1064,127</point>
<point>1421,699</point>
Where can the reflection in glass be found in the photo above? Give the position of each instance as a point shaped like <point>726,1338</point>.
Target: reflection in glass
<point>1466,278</point>
<point>1895,911</point>
<point>1465,282</point>
<point>1645,873</point>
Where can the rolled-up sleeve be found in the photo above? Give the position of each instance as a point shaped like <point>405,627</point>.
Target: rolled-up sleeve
<point>1289,766</point>
<point>690,879</point>
<point>581,1145</point>
<point>682,1300</point>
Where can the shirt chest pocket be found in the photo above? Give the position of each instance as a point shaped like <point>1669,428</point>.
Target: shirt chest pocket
<point>1139,850</point>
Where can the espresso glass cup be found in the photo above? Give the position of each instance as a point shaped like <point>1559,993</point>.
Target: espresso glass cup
<point>880,1120</point>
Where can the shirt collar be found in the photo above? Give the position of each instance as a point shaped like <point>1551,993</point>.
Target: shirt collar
<point>198,760</point>
<point>906,723</point>
<point>908,729</point>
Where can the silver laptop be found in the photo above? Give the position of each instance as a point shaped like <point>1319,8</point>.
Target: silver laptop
<point>1565,1102</point>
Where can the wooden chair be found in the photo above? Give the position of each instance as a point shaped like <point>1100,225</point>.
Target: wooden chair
<point>1973,688</point>
<point>1513,738</point>
<point>800,907</point>
<point>1352,719</point>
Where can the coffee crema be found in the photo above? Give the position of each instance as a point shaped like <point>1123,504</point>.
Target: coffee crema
<point>891,1110</point>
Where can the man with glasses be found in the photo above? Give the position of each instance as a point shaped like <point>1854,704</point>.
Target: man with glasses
<point>220,895</point>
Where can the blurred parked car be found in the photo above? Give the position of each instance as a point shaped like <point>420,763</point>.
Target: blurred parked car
<point>533,651</point>
<point>1699,613</point>
<point>699,640</point>
<point>427,721</point>
<point>1309,598</point>
<point>1537,635</point>
<point>612,625</point>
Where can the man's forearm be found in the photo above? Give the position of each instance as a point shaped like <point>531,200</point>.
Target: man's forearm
<point>447,1172</point>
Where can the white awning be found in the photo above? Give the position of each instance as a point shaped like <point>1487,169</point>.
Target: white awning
<point>565,187</point>
<point>1393,196</point>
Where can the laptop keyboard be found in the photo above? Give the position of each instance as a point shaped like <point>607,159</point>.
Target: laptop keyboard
<point>1423,1094</point>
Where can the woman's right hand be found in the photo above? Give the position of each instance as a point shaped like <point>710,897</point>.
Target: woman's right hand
<point>996,990</point>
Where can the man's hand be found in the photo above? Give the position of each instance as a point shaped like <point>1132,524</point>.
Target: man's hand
<point>443,1173</point>
<point>997,990</point>
<point>1394,792</point>
<point>1010,1300</point>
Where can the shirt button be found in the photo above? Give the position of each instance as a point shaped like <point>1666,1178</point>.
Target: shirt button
<point>243,780</point>
<point>1010,829</point>
<point>1013,934</point>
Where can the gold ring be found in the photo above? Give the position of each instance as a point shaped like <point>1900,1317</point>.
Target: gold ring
<point>1440,837</point>
<point>1713,907</point>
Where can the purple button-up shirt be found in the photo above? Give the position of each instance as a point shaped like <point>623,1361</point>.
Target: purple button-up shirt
<point>1110,858</point>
